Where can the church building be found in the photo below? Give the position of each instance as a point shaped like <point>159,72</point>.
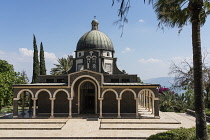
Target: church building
<point>93,85</point>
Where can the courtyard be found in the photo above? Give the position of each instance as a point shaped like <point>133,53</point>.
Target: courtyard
<point>93,128</point>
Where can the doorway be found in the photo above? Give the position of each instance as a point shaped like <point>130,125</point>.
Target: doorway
<point>87,98</point>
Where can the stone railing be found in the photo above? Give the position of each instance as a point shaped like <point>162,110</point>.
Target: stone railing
<point>192,112</point>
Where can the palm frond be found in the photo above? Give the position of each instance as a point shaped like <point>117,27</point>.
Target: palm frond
<point>63,66</point>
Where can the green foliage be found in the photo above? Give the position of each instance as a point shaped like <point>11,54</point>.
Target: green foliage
<point>170,101</point>
<point>177,13</point>
<point>36,70</point>
<point>175,134</point>
<point>63,66</point>
<point>8,77</point>
<point>5,67</point>
<point>167,101</point>
<point>207,111</point>
<point>139,80</point>
<point>42,61</point>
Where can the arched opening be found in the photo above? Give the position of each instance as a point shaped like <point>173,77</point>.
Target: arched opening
<point>61,103</point>
<point>128,103</point>
<point>43,102</point>
<point>147,97</point>
<point>110,104</point>
<point>24,106</point>
<point>88,98</point>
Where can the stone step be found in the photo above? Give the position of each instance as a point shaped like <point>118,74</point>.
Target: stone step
<point>146,121</point>
<point>138,126</point>
<point>33,121</point>
<point>73,138</point>
<point>140,122</point>
<point>31,126</point>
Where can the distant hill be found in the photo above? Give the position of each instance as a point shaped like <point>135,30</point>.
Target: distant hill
<point>163,81</point>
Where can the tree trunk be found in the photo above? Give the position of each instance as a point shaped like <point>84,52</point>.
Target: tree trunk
<point>201,128</point>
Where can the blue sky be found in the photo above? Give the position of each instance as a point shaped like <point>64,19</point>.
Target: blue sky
<point>143,49</point>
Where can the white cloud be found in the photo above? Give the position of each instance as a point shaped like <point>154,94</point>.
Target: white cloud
<point>26,52</point>
<point>29,53</point>
<point>1,52</point>
<point>50,56</point>
<point>73,54</point>
<point>23,60</point>
<point>141,20</point>
<point>126,50</point>
<point>150,60</point>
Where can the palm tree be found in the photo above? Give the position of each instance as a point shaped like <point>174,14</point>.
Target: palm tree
<point>167,101</point>
<point>63,66</point>
<point>177,13</point>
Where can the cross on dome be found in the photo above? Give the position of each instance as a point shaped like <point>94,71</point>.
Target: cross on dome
<point>94,24</point>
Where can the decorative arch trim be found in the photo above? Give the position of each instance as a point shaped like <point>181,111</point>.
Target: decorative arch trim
<point>54,95</point>
<point>102,96</point>
<point>128,90</point>
<point>146,91</point>
<point>86,76</point>
<point>37,93</point>
<point>28,90</point>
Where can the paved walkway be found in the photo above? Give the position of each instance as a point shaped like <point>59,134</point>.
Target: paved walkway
<point>92,128</point>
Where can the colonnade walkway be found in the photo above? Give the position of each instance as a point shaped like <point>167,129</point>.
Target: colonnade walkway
<point>93,128</point>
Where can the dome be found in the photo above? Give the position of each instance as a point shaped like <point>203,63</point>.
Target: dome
<point>95,40</point>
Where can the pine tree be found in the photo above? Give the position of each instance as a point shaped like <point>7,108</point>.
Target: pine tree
<point>42,61</point>
<point>35,63</point>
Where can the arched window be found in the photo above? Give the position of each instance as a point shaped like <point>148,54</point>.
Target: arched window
<point>108,53</point>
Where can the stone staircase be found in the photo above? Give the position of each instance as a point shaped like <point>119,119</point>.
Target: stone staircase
<point>137,124</point>
<point>32,124</point>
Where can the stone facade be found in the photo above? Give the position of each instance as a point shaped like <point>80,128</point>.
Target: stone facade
<point>94,85</point>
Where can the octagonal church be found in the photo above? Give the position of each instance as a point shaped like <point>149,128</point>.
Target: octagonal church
<point>93,85</point>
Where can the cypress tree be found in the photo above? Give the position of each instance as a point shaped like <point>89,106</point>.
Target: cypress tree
<point>35,63</point>
<point>42,61</point>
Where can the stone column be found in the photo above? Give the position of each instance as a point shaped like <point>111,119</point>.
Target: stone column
<point>142,100</point>
<point>118,114</point>
<point>144,95</point>
<point>137,111</point>
<point>34,108</point>
<point>70,107</point>
<point>15,107</point>
<point>156,111</point>
<point>29,102</point>
<point>23,103</point>
<point>101,107</point>
<point>152,105</point>
<point>146,102</point>
<point>52,107</point>
<point>149,103</point>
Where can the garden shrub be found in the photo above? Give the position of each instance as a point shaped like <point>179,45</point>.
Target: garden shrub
<point>176,134</point>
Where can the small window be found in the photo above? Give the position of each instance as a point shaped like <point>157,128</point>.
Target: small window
<point>60,80</point>
<point>114,80</point>
<point>80,54</point>
<point>80,67</point>
<point>49,80</point>
<point>108,53</point>
<point>108,67</point>
<point>125,80</point>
